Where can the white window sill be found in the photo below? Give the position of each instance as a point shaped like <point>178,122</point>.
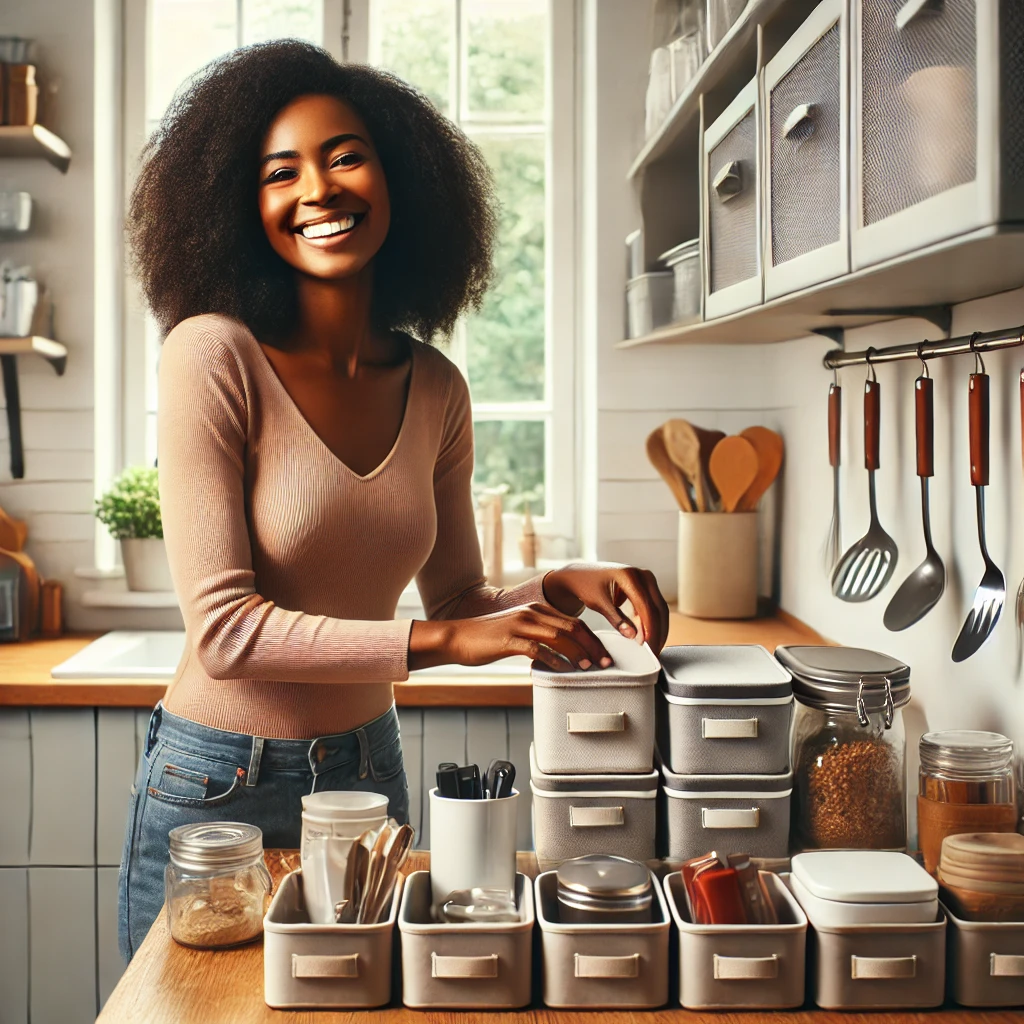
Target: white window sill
<point>129,599</point>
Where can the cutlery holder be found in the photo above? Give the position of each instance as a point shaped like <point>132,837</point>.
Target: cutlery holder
<point>985,961</point>
<point>464,966</point>
<point>718,565</point>
<point>617,966</point>
<point>731,967</point>
<point>727,813</point>
<point>601,720</point>
<point>724,710</point>
<point>324,965</point>
<point>574,815</point>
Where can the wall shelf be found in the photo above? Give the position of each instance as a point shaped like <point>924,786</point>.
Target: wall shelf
<point>971,266</point>
<point>33,142</point>
<point>52,351</point>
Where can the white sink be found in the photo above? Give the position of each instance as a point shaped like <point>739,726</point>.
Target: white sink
<point>153,654</point>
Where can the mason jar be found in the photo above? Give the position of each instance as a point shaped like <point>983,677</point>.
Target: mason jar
<point>849,749</point>
<point>604,889</point>
<point>217,885</point>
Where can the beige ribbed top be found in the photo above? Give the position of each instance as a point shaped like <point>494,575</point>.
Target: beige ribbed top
<point>287,564</point>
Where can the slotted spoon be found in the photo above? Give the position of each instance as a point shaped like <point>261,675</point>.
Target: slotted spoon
<point>867,566</point>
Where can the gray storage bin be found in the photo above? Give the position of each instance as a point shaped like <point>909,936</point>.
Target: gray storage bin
<point>616,966</point>
<point>724,710</point>
<point>601,720</point>
<point>324,965</point>
<point>461,966</point>
<point>740,966</point>
<point>726,813</point>
<point>574,815</point>
<point>985,961</point>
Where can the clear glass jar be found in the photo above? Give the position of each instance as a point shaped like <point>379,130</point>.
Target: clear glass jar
<point>965,784</point>
<point>217,885</point>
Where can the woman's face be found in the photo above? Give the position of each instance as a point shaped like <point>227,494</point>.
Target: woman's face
<point>322,194</point>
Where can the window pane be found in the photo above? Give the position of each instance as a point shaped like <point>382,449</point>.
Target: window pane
<point>505,44</point>
<point>413,38</point>
<point>280,19</point>
<point>505,341</point>
<point>512,452</point>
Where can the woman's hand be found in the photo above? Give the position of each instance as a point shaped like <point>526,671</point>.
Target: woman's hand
<point>538,631</point>
<point>604,587</point>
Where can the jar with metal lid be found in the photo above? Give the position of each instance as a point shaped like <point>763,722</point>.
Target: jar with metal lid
<point>217,885</point>
<point>965,784</point>
<point>849,748</point>
<point>602,889</point>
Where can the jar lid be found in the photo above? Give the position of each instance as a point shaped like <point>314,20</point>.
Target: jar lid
<point>604,876</point>
<point>215,844</point>
<point>837,678</point>
<point>966,751</point>
<point>994,856</point>
<point>864,876</point>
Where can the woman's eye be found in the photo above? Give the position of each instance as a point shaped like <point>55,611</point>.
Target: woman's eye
<point>347,160</point>
<point>281,174</point>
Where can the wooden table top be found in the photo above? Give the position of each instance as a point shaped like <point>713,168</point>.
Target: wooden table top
<point>25,670</point>
<point>169,984</point>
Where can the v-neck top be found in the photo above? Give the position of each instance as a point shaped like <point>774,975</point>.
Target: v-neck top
<point>287,564</point>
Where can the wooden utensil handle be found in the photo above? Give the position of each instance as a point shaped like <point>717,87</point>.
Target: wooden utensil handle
<point>924,404</point>
<point>872,417</point>
<point>835,421</point>
<point>1022,415</point>
<point>978,402</point>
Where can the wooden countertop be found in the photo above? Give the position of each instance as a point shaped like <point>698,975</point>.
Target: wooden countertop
<point>168,984</point>
<point>25,670</point>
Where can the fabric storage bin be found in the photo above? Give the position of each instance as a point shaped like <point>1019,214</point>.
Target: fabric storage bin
<point>463,965</point>
<point>724,710</point>
<point>806,93</point>
<point>599,721</point>
<point>740,966</point>
<point>649,301</point>
<point>985,961</point>
<point>617,966</point>
<point>727,813</point>
<point>324,965</point>
<point>574,815</point>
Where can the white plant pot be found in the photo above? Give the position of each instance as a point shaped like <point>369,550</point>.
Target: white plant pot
<point>145,564</point>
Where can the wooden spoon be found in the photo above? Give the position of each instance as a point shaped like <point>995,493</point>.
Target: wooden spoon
<point>13,532</point>
<point>394,858</point>
<point>683,446</point>
<point>373,874</point>
<point>708,439</point>
<point>769,447</point>
<point>669,471</point>
<point>733,469</point>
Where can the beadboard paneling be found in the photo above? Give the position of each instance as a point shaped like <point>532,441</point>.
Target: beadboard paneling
<point>520,736</point>
<point>23,497</point>
<point>14,985</point>
<point>410,721</point>
<point>115,770</point>
<point>444,739</point>
<point>70,430</point>
<point>51,465</point>
<point>58,526</point>
<point>109,965</point>
<point>16,788</point>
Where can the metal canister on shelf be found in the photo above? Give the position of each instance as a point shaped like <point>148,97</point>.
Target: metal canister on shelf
<point>604,889</point>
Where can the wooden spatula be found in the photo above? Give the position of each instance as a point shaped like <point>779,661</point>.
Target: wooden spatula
<point>13,532</point>
<point>670,472</point>
<point>770,448</point>
<point>708,439</point>
<point>733,468</point>
<point>683,446</point>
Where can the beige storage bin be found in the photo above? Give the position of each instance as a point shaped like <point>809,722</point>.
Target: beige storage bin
<point>574,815</point>
<point>732,967</point>
<point>718,565</point>
<point>985,961</point>
<point>324,965</point>
<point>464,966</point>
<point>601,720</point>
<point>616,966</point>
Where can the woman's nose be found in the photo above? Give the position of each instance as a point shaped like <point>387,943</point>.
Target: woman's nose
<point>320,190</point>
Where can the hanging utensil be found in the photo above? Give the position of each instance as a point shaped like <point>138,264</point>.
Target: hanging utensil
<point>670,472</point>
<point>683,446</point>
<point>868,566</point>
<point>834,541</point>
<point>991,592</point>
<point>769,447</point>
<point>921,590</point>
<point>733,467</point>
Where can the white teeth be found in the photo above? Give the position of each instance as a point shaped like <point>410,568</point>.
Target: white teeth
<point>327,228</point>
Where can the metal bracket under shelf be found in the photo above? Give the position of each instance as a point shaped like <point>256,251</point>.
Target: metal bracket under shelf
<point>941,316</point>
<point>12,399</point>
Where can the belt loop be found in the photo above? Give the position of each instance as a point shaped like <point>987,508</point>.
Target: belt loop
<point>364,753</point>
<point>154,727</point>
<point>253,774</point>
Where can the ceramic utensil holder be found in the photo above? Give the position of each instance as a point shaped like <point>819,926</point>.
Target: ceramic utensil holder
<point>718,564</point>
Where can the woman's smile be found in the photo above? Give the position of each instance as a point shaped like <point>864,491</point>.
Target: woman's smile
<point>325,233</point>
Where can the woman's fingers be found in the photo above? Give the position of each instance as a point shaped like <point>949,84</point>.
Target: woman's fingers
<point>640,586</point>
<point>570,637</point>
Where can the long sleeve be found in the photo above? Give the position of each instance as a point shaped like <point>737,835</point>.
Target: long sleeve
<point>235,632</point>
<point>452,583</point>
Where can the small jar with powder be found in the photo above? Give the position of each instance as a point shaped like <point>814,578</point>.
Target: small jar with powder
<point>966,784</point>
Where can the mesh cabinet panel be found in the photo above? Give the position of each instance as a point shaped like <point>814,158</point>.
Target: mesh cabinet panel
<point>1011,70</point>
<point>805,183</point>
<point>918,103</point>
<point>733,235</point>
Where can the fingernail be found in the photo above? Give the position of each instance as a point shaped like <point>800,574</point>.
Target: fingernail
<point>585,664</point>
<point>627,629</point>
<point>605,662</point>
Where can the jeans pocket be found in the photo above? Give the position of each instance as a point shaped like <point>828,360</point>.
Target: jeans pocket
<point>386,761</point>
<point>187,779</point>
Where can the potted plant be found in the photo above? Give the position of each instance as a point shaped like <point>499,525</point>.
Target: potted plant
<point>130,510</point>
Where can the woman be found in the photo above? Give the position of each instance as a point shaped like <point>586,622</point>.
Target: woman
<point>304,230</point>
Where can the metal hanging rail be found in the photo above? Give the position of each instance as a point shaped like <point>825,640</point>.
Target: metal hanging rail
<point>988,341</point>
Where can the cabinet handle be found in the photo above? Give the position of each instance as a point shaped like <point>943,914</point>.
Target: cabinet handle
<point>590,721</point>
<point>805,113</point>
<point>325,966</point>
<point>463,966</point>
<point>716,817</point>
<point>883,968</point>
<point>746,968</point>
<point>607,966</point>
<point>728,728</point>
<point>596,817</point>
<point>1002,965</point>
<point>911,9</point>
<point>728,181</point>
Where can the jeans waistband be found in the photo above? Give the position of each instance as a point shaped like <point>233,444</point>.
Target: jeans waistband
<point>316,755</point>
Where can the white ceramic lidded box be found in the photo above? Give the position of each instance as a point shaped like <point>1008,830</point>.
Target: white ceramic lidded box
<point>724,710</point>
<point>600,720</point>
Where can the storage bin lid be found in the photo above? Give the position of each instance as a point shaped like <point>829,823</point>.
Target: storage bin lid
<point>632,665</point>
<point>725,672</point>
<point>644,784</point>
<point>678,253</point>
<point>864,876</point>
<point>703,785</point>
<point>832,678</point>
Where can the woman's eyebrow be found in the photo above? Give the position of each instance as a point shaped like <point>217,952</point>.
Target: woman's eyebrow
<point>334,140</point>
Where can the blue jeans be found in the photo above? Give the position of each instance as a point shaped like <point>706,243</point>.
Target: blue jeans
<point>190,772</point>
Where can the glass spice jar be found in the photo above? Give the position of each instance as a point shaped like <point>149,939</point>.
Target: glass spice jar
<point>849,748</point>
<point>217,885</point>
<point>966,784</point>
